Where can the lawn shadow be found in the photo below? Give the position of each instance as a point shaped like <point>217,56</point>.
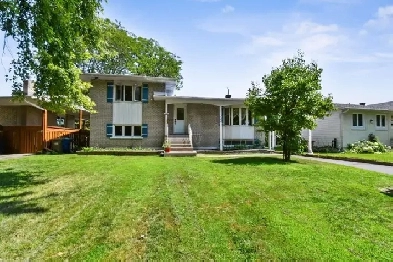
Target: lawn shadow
<point>11,178</point>
<point>255,161</point>
<point>18,207</point>
<point>387,191</point>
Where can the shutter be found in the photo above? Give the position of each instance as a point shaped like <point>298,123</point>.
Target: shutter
<point>145,93</point>
<point>109,130</point>
<point>144,130</point>
<point>109,92</point>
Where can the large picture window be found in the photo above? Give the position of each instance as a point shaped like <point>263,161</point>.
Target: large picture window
<point>237,116</point>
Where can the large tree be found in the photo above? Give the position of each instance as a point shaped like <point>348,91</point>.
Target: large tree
<point>290,101</point>
<point>122,52</point>
<point>52,36</point>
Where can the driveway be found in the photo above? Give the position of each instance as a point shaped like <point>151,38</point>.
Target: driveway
<point>14,156</point>
<point>377,168</point>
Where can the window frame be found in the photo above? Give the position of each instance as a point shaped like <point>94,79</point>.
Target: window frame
<point>123,92</point>
<point>357,126</point>
<point>123,128</point>
<point>380,126</point>
<point>249,120</point>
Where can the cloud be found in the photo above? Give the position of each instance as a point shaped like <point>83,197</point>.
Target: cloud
<point>384,17</point>
<point>308,27</point>
<point>228,9</point>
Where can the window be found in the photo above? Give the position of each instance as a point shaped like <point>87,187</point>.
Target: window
<point>118,131</point>
<point>137,131</point>
<point>60,121</point>
<point>381,121</point>
<point>236,117</point>
<point>227,116</point>
<point>128,93</point>
<point>357,120</point>
<point>138,93</point>
<point>244,116</point>
<point>128,131</point>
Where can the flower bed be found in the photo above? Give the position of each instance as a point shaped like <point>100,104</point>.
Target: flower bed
<point>139,151</point>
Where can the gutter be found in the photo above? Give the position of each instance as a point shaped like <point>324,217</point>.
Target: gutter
<point>34,105</point>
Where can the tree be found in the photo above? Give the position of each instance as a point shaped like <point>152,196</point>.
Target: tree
<point>52,37</point>
<point>291,101</point>
<point>123,52</point>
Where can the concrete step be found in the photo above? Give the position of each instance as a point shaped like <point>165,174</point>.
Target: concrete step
<point>180,154</point>
<point>181,145</point>
<point>183,149</point>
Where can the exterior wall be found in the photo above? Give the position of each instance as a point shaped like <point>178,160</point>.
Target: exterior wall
<point>152,114</point>
<point>205,125</point>
<point>70,121</point>
<point>33,117</point>
<point>327,129</point>
<point>351,135</point>
<point>9,116</point>
<point>52,119</point>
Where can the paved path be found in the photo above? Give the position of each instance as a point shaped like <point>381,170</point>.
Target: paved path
<point>377,168</point>
<point>14,156</point>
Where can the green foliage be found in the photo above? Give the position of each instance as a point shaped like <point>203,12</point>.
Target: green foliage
<point>365,146</point>
<point>325,149</point>
<point>373,138</point>
<point>122,52</point>
<point>291,101</point>
<point>52,36</point>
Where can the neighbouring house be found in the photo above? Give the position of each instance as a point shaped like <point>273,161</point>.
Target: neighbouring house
<point>353,122</point>
<point>26,127</point>
<point>139,111</point>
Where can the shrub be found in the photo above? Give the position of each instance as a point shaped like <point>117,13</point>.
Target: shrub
<point>365,146</point>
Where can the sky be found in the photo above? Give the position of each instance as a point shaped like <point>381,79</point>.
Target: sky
<point>230,43</point>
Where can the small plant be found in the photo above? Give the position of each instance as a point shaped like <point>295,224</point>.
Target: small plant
<point>373,138</point>
<point>167,146</point>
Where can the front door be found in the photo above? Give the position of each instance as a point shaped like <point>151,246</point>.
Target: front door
<point>179,119</point>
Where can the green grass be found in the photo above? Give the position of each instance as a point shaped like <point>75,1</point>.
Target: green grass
<point>383,157</point>
<point>248,208</point>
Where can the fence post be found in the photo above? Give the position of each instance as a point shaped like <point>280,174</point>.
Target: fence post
<point>44,127</point>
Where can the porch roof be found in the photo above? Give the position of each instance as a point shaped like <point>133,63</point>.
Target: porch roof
<point>199,100</point>
<point>112,77</point>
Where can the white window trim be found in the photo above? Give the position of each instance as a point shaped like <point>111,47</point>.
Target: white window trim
<point>133,86</point>
<point>363,127</point>
<point>381,127</point>
<point>240,116</point>
<point>123,131</point>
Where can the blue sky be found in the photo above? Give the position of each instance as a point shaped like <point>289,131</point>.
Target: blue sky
<point>229,43</point>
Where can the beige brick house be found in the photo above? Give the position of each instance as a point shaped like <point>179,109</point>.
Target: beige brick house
<point>135,111</point>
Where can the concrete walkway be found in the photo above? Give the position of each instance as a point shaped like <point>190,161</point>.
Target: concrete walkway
<point>14,156</point>
<point>377,168</point>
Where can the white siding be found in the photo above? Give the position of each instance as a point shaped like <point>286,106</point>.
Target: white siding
<point>127,113</point>
<point>327,129</point>
<point>351,135</point>
<point>238,132</point>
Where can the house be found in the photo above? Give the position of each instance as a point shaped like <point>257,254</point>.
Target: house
<point>135,111</point>
<point>25,127</point>
<point>353,122</point>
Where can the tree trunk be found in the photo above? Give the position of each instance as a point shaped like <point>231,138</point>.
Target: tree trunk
<point>286,154</point>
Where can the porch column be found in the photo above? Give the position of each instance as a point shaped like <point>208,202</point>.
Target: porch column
<point>273,139</point>
<point>270,140</point>
<point>310,142</point>
<point>166,120</point>
<point>221,138</point>
<point>80,119</point>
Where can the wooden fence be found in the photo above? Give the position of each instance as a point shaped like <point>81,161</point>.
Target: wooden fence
<point>30,139</point>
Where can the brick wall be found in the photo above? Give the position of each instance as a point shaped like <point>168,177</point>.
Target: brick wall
<point>205,124</point>
<point>152,115</point>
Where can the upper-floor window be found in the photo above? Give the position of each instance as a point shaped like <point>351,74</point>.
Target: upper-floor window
<point>357,120</point>
<point>380,121</point>
<point>128,93</point>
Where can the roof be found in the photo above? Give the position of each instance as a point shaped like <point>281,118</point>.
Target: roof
<point>92,76</point>
<point>388,106</point>
<point>200,100</point>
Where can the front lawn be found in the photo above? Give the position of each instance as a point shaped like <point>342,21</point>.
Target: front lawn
<point>127,208</point>
<point>383,157</point>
